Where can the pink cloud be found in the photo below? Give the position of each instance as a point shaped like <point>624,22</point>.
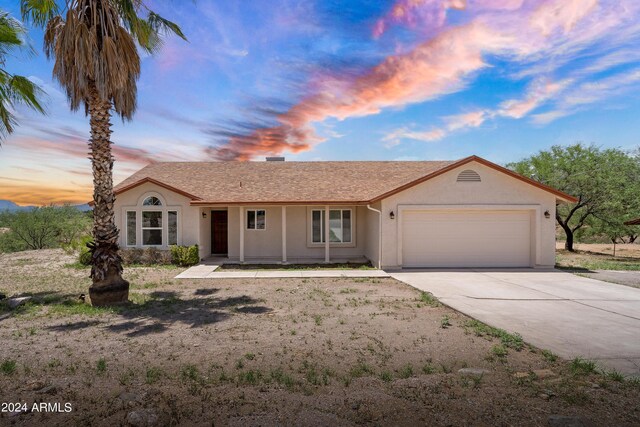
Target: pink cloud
<point>525,33</point>
<point>538,93</point>
<point>427,14</point>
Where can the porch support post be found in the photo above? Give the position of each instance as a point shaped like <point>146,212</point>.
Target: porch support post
<point>326,234</point>
<point>241,233</point>
<point>284,234</point>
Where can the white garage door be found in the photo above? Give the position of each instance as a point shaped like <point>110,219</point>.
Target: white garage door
<point>466,238</point>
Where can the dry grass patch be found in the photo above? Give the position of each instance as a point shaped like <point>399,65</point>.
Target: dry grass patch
<point>276,351</point>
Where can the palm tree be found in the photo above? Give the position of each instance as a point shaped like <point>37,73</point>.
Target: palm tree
<point>93,45</point>
<point>13,89</point>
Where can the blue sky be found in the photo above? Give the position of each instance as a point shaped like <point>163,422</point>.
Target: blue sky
<point>349,80</point>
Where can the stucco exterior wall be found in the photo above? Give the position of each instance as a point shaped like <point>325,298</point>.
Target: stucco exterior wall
<point>372,231</point>
<point>188,216</point>
<point>495,188</point>
<point>268,243</point>
<point>204,240</point>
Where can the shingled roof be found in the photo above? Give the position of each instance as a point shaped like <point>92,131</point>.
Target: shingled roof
<point>344,182</point>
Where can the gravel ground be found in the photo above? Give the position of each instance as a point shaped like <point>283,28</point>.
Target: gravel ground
<point>274,351</point>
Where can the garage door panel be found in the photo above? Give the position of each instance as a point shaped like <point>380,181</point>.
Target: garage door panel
<point>466,239</point>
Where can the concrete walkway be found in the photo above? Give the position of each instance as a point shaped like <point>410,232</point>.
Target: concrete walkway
<point>209,272</point>
<point>570,315</point>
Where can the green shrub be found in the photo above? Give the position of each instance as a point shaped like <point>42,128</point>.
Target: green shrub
<point>84,254</point>
<point>131,256</point>
<point>185,255</point>
<point>42,228</point>
<point>151,256</point>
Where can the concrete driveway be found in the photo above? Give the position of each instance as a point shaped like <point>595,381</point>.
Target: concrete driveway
<point>570,315</point>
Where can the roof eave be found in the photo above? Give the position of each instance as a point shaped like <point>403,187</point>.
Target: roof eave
<point>559,194</point>
<point>156,182</point>
<point>279,203</point>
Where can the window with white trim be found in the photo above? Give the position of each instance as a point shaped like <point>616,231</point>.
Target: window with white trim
<point>256,219</point>
<point>152,201</point>
<point>151,222</point>
<point>152,228</point>
<point>172,236</point>
<point>340,230</point>
<point>131,228</point>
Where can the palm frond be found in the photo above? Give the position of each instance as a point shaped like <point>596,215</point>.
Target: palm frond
<point>93,44</point>
<point>39,12</point>
<point>162,25</point>
<point>16,90</point>
<point>12,35</point>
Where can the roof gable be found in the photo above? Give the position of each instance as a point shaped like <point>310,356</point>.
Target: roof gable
<point>454,165</point>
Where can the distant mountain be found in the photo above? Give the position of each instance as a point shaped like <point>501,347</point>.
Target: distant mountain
<point>8,205</point>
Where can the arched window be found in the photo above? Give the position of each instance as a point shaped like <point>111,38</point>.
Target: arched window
<point>151,223</point>
<point>152,201</point>
<point>468,176</point>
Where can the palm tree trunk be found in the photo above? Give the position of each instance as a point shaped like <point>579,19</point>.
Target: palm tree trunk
<point>108,286</point>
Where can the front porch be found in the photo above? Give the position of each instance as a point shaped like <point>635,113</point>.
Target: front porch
<point>286,235</point>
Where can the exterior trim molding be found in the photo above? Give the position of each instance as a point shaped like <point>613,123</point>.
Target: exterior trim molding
<point>561,195</point>
<point>158,183</point>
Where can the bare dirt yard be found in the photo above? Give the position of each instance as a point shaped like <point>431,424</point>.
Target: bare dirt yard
<point>275,351</point>
<point>597,261</point>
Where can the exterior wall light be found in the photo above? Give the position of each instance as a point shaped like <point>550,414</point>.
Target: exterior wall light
<point>547,214</point>
<point>204,214</point>
<point>392,215</point>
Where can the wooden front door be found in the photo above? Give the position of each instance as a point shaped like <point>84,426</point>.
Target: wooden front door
<point>219,226</point>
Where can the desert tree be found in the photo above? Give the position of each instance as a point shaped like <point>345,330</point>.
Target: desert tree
<point>94,46</point>
<point>603,180</point>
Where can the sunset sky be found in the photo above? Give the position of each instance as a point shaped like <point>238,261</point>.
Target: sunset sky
<point>348,80</point>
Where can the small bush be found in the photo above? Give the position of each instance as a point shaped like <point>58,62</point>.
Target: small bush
<point>131,256</point>
<point>499,350</point>
<point>185,255</point>
<point>445,322</point>
<point>8,367</point>
<point>429,299</point>
<point>513,341</point>
<point>151,256</point>
<point>581,366</point>
<point>189,372</point>
<point>166,258</point>
<point>101,366</point>
<point>549,356</point>
<point>386,376</point>
<point>406,371</point>
<point>84,254</point>
<point>154,375</point>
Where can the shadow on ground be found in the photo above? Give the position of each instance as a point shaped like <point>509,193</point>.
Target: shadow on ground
<point>149,313</point>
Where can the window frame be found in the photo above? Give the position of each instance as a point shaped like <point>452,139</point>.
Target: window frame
<point>353,214</point>
<point>255,223</point>
<point>162,229</point>
<point>169,211</point>
<point>126,228</point>
<point>144,201</point>
<point>138,208</point>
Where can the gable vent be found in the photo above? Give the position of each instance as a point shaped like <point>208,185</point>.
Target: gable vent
<point>468,176</point>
